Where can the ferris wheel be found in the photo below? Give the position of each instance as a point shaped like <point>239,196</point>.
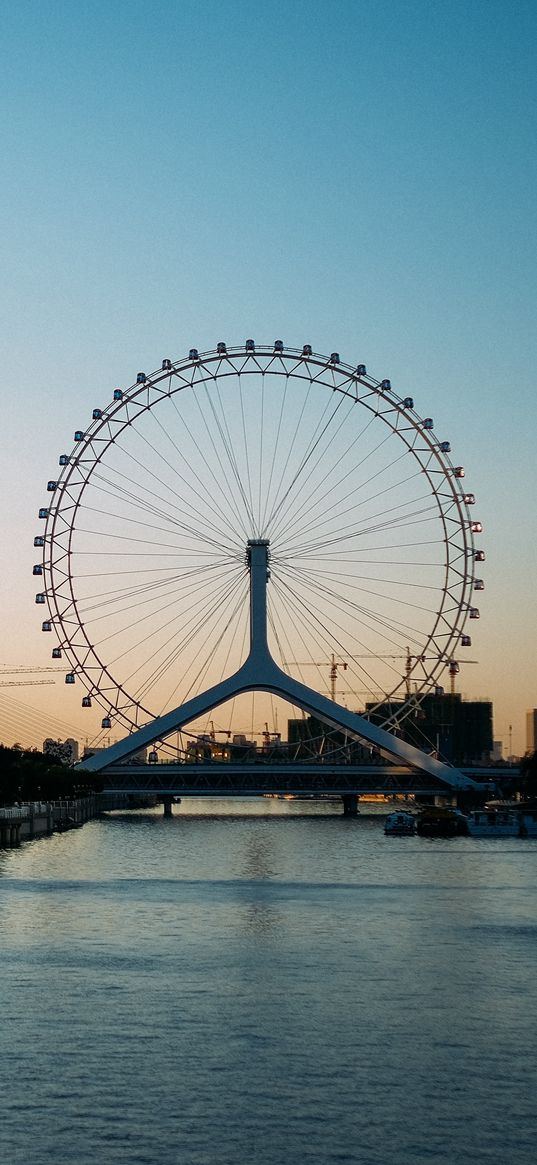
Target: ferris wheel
<point>367,521</point>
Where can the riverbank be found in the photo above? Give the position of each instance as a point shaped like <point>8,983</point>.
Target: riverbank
<point>20,823</point>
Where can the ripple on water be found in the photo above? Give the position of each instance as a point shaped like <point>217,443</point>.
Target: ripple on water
<point>273,990</point>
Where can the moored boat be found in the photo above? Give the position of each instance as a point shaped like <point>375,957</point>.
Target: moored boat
<point>494,823</point>
<point>400,824</point>
<point>438,821</point>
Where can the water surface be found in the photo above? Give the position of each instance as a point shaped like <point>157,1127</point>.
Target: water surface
<point>274,990</point>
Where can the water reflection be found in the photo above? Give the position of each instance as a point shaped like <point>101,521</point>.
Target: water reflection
<point>266,989</point>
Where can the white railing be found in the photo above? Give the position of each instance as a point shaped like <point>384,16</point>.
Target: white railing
<point>22,812</point>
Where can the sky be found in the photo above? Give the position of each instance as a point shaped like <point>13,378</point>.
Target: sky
<point>357,175</point>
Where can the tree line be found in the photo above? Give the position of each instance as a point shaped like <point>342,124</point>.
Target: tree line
<point>30,775</point>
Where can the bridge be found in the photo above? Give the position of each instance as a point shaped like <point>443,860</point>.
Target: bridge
<point>325,779</point>
<point>403,768</point>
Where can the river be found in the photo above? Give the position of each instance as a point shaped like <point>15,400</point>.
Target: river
<point>227,988</point>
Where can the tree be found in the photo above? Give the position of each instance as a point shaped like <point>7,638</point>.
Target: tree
<point>31,776</point>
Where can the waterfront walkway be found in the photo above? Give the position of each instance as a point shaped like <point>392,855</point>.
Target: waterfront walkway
<point>39,818</point>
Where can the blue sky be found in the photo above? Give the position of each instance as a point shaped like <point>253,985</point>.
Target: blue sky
<point>357,175</point>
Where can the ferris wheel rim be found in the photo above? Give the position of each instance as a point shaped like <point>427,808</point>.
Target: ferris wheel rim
<point>290,362</point>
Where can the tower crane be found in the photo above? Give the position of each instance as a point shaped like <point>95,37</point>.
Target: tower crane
<point>5,670</point>
<point>453,665</point>
<point>332,663</point>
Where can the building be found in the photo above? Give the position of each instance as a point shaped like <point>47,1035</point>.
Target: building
<point>457,731</point>
<point>64,751</point>
<point>531,730</point>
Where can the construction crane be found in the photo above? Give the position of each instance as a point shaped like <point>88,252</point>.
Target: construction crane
<point>19,671</point>
<point>5,670</point>
<point>452,664</point>
<point>332,663</point>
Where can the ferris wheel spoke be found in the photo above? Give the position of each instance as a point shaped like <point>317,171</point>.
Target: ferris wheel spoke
<point>184,636</point>
<point>201,675</point>
<point>221,491</point>
<point>272,507</point>
<point>117,492</point>
<point>340,537</point>
<point>201,496</point>
<point>303,642</point>
<point>178,501</point>
<point>305,460</point>
<point>329,511</point>
<point>176,586</point>
<point>358,611</point>
<point>195,611</point>
<point>358,584</point>
<point>151,525</point>
<point>355,582</point>
<point>200,500</point>
<point>322,483</point>
<point>328,636</point>
<point>172,548</point>
<point>177,653</point>
<point>375,622</point>
<point>246,518</point>
<point>179,586</point>
<point>247,459</point>
<point>341,599</point>
<point>287,544</point>
<point>115,572</point>
<point>260,457</point>
<point>275,446</point>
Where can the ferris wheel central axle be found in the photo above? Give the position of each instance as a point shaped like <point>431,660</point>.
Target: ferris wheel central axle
<point>257,557</point>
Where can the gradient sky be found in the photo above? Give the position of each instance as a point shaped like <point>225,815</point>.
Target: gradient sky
<point>358,175</point>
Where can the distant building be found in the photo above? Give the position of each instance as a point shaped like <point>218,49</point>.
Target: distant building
<point>458,731</point>
<point>66,752</point>
<point>531,730</point>
<point>497,750</point>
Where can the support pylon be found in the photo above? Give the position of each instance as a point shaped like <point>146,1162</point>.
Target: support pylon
<point>260,672</point>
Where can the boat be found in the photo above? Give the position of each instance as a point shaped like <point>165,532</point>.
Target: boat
<point>438,821</point>
<point>400,824</point>
<point>504,819</point>
<point>494,823</point>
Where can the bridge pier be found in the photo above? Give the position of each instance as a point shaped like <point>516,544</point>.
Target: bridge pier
<point>167,802</point>
<point>350,804</point>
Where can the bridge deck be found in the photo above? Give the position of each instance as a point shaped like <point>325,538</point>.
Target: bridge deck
<point>207,779</point>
